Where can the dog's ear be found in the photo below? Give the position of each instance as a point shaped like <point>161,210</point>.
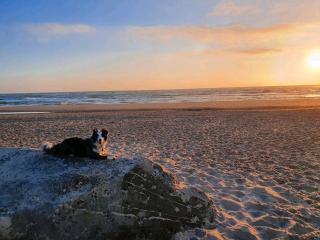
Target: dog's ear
<point>104,132</point>
<point>94,133</point>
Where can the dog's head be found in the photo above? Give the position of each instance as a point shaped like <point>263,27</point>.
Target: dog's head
<point>100,140</point>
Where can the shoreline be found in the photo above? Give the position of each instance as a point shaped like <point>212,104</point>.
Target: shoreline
<point>217,105</point>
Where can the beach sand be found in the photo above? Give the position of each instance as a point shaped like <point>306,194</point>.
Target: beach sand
<point>259,162</point>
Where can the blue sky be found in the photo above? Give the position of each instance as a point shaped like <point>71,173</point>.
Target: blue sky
<point>77,45</point>
<point>103,12</point>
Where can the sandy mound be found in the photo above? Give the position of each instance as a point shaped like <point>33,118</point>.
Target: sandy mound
<point>43,197</point>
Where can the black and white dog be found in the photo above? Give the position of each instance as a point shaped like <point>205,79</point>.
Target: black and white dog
<point>94,147</point>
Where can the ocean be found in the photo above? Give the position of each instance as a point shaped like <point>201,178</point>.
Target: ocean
<point>162,96</point>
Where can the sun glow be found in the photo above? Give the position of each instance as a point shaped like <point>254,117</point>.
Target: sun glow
<point>313,60</point>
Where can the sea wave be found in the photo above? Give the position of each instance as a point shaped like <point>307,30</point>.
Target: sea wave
<point>162,96</point>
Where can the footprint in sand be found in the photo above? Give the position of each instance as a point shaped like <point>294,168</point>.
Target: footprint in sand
<point>242,234</point>
<point>267,194</point>
<point>230,205</point>
<point>272,222</point>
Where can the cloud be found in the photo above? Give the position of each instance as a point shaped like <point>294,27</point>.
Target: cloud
<point>296,10</point>
<point>208,34</point>
<point>269,12</point>
<point>257,50</point>
<point>245,40</point>
<point>230,8</point>
<point>250,51</point>
<point>49,30</point>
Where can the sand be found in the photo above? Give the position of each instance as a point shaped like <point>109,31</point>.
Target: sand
<point>246,104</point>
<point>259,164</point>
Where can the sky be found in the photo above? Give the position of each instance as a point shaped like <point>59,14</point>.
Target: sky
<point>105,45</point>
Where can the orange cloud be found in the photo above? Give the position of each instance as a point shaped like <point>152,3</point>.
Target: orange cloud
<point>259,40</point>
<point>239,39</point>
<point>230,8</point>
<point>250,51</point>
<point>211,34</point>
<point>297,10</point>
<point>257,51</point>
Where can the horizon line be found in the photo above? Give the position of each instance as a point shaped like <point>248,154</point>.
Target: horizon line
<point>168,89</point>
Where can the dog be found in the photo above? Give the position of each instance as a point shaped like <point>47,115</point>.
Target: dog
<point>93,147</point>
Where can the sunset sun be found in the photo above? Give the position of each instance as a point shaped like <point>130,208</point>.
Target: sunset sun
<point>313,60</point>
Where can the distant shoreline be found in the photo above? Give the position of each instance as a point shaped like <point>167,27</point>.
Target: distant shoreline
<point>216,105</point>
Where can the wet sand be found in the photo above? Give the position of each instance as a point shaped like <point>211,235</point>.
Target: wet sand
<point>249,104</point>
<point>259,164</point>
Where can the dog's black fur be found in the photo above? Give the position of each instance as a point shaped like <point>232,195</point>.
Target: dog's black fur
<point>93,147</point>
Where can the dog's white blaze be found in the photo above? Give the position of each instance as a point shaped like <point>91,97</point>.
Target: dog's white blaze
<point>100,137</point>
<point>100,148</point>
